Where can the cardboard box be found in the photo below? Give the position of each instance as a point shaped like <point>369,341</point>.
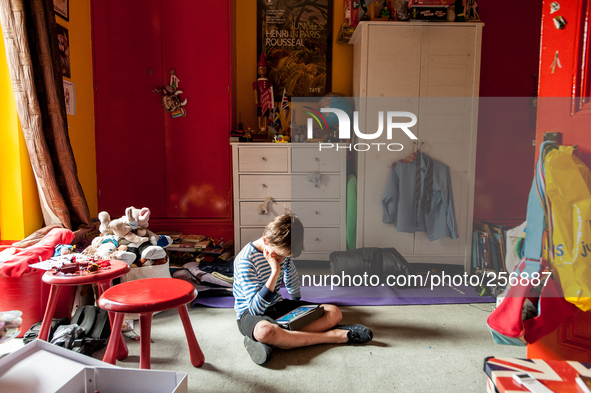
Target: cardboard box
<point>40,367</point>
<point>351,13</point>
<point>556,375</point>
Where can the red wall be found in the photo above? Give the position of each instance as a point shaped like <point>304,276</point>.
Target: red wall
<point>556,105</point>
<point>506,126</point>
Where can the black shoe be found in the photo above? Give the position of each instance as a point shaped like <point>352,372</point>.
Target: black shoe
<point>259,353</point>
<point>357,334</point>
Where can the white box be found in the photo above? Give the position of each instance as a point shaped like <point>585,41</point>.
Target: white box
<point>41,367</point>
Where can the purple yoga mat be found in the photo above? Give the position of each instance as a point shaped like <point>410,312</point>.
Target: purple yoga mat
<point>370,296</point>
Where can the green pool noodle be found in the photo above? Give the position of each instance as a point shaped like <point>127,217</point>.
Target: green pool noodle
<point>351,225</point>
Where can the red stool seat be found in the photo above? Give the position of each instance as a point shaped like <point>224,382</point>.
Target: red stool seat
<point>146,297</point>
<point>102,278</point>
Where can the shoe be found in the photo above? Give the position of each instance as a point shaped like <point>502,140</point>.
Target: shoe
<point>259,353</point>
<point>357,334</point>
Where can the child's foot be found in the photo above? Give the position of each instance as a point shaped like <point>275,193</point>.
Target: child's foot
<point>356,334</point>
<point>259,353</point>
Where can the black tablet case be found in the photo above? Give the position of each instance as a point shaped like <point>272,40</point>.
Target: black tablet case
<point>302,320</point>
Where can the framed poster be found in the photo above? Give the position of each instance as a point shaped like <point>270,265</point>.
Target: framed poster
<point>63,41</point>
<point>296,38</point>
<point>62,8</point>
<point>70,97</point>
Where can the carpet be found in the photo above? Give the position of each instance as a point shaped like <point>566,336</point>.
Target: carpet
<point>370,296</point>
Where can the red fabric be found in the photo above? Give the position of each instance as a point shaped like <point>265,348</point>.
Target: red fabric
<point>553,309</point>
<point>18,264</point>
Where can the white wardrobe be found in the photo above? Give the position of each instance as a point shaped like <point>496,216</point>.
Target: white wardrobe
<point>431,70</point>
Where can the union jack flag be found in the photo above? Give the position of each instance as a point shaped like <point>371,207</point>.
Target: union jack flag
<point>556,375</point>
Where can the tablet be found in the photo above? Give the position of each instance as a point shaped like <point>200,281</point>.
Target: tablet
<point>300,317</point>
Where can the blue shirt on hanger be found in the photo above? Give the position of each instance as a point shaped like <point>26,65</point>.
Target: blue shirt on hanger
<point>399,200</point>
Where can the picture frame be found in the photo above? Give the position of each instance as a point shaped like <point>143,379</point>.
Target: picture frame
<point>62,9</point>
<point>296,39</point>
<point>63,39</point>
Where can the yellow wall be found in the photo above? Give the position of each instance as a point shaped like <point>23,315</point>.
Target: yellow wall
<point>245,47</point>
<point>81,126</point>
<point>20,213</point>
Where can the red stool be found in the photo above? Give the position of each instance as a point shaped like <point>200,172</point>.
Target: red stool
<point>103,278</point>
<point>145,297</point>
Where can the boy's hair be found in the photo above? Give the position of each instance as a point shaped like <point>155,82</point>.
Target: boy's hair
<point>286,232</point>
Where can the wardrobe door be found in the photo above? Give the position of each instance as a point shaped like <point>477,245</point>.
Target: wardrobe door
<point>129,117</point>
<point>393,74</point>
<point>447,122</point>
<point>195,44</point>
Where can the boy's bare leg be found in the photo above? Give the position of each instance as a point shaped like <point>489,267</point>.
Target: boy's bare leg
<point>271,334</point>
<point>332,316</point>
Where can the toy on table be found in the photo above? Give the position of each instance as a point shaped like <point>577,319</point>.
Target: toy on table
<point>81,267</point>
<point>63,249</point>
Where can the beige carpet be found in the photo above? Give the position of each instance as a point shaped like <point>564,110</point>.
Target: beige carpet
<point>415,349</point>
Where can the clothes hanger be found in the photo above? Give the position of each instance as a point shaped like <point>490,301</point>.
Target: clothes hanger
<point>412,156</point>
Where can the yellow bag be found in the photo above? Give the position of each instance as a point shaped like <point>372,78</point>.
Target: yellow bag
<point>568,184</point>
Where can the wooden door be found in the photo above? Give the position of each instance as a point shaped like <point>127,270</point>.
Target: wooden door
<point>392,57</point>
<point>195,43</point>
<point>178,167</point>
<point>447,124</point>
<point>564,91</point>
<point>129,117</point>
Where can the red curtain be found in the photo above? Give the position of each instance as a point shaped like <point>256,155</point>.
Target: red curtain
<point>33,61</point>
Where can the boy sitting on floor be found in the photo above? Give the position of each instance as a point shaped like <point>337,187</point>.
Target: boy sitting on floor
<point>258,270</point>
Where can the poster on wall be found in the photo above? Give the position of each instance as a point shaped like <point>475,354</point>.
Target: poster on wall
<point>70,97</point>
<point>296,39</point>
<point>62,8</point>
<point>63,41</point>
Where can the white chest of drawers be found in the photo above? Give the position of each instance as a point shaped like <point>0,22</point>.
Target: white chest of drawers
<point>284,172</point>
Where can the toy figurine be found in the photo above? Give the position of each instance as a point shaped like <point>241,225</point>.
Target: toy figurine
<point>263,93</point>
<point>170,100</point>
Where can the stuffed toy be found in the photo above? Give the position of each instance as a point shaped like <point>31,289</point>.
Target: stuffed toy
<point>122,227</point>
<point>148,255</point>
<point>107,247</point>
<point>141,216</point>
<point>63,249</point>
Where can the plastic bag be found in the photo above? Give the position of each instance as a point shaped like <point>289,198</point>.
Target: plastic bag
<point>568,183</point>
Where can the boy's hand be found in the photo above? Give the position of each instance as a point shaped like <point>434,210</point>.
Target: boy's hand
<point>272,259</point>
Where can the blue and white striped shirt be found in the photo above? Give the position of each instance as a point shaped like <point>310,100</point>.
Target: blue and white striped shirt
<point>251,272</point>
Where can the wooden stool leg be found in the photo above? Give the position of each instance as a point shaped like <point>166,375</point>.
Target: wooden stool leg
<point>54,292</point>
<point>122,351</point>
<point>145,339</point>
<point>113,346</point>
<point>197,357</point>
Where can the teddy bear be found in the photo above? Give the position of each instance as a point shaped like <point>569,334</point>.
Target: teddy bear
<point>141,216</point>
<point>122,227</point>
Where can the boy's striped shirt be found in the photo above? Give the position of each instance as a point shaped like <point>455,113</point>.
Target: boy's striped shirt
<point>251,272</point>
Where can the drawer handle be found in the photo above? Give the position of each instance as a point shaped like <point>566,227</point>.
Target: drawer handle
<point>264,185</point>
<point>264,207</point>
<point>317,159</point>
<point>317,239</point>
<point>317,212</point>
<point>263,158</point>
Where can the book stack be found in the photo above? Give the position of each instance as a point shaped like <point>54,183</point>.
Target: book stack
<point>189,243</point>
<point>489,247</point>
